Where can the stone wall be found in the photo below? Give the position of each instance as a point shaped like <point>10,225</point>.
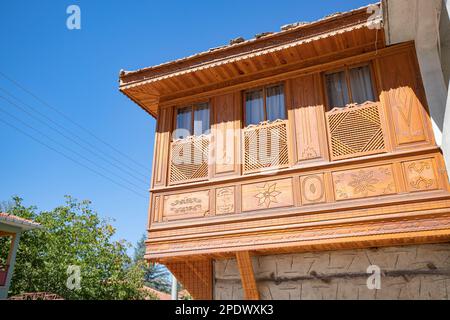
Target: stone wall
<point>409,272</point>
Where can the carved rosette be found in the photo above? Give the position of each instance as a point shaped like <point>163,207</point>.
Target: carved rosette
<point>363,183</point>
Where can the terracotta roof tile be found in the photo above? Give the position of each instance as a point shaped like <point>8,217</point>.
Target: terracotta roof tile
<point>15,220</point>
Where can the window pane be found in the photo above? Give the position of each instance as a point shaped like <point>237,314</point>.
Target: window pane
<point>201,119</point>
<point>275,103</point>
<point>337,90</point>
<point>184,123</point>
<point>361,83</point>
<point>254,107</point>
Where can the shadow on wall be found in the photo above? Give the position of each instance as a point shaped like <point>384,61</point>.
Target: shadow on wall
<point>445,42</point>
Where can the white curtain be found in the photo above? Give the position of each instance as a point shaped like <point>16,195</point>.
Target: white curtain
<point>275,103</point>
<point>254,107</point>
<point>337,90</point>
<point>184,123</point>
<point>361,84</point>
<point>201,119</point>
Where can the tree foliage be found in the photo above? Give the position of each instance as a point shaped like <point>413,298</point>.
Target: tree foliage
<point>156,276</point>
<point>74,235</point>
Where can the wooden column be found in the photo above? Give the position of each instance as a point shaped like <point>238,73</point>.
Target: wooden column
<point>247,275</point>
<point>11,262</point>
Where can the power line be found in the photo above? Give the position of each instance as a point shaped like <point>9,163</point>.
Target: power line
<point>95,153</point>
<point>68,149</point>
<point>71,121</point>
<point>71,159</point>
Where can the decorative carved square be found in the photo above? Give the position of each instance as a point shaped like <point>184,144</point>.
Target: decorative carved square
<point>365,182</point>
<point>186,205</point>
<point>225,200</point>
<point>267,195</point>
<point>420,175</point>
<point>312,189</point>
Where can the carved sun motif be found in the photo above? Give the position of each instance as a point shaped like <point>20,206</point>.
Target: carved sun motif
<point>363,182</point>
<point>268,195</point>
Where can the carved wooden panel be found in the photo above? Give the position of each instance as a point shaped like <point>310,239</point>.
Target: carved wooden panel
<point>189,159</point>
<point>265,146</point>
<point>157,209</point>
<point>355,131</point>
<point>161,148</point>
<point>267,195</point>
<point>407,119</point>
<point>312,189</point>
<point>308,113</point>
<point>186,205</point>
<point>225,131</point>
<point>420,175</point>
<point>403,97</point>
<point>365,182</point>
<point>388,232</point>
<point>225,200</point>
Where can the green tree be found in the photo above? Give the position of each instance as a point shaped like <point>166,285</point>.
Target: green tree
<point>74,235</point>
<point>156,276</point>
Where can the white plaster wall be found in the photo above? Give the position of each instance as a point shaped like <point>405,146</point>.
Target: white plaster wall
<point>445,60</point>
<point>445,40</point>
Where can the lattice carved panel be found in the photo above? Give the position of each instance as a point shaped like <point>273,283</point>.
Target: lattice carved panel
<point>189,159</point>
<point>355,131</point>
<point>265,146</point>
<point>195,276</point>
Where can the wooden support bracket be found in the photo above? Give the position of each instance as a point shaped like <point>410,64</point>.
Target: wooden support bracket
<point>247,275</point>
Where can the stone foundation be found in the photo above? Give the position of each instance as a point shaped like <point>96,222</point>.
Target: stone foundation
<point>409,272</point>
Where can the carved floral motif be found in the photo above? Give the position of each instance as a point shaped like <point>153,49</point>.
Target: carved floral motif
<point>268,195</point>
<point>361,183</point>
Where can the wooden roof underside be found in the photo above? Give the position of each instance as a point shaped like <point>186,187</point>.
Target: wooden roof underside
<point>350,33</point>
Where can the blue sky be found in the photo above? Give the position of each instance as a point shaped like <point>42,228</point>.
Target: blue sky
<point>76,72</point>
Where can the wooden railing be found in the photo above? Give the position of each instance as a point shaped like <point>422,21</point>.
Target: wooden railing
<point>265,146</point>
<point>356,131</point>
<point>189,159</point>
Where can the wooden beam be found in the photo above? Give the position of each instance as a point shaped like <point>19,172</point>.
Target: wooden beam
<point>247,276</point>
<point>6,234</point>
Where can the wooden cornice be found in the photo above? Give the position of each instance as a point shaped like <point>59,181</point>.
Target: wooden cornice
<point>334,37</point>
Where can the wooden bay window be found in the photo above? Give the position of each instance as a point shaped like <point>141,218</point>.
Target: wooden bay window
<point>355,120</point>
<point>265,133</point>
<point>190,145</point>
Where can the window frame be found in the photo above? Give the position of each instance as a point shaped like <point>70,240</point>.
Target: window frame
<point>346,69</point>
<point>193,107</point>
<point>264,90</point>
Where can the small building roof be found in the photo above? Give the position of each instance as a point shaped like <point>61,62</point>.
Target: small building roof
<point>18,222</point>
<point>159,294</point>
